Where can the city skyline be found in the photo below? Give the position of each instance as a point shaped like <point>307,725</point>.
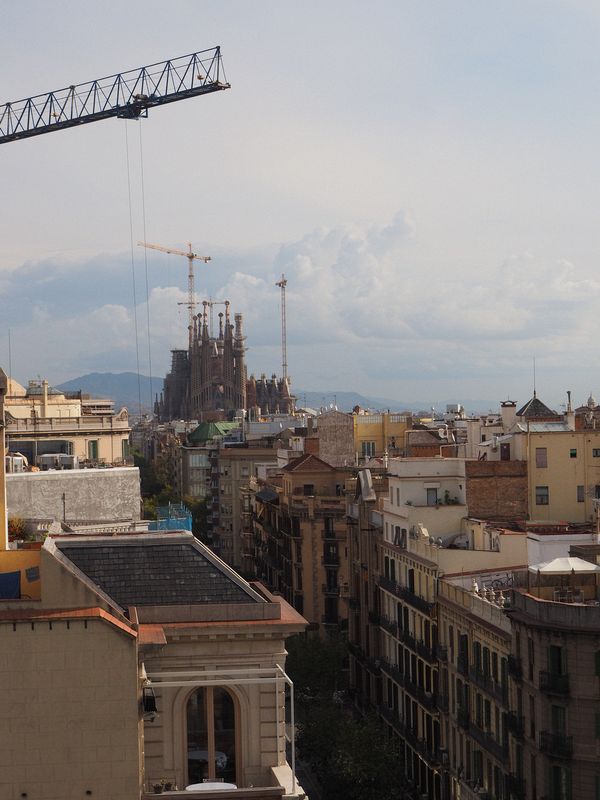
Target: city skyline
<point>426,181</point>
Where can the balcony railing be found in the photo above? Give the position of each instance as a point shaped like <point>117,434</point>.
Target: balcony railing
<point>516,786</point>
<point>556,744</point>
<point>462,717</point>
<point>515,724</point>
<point>331,558</point>
<point>441,652</point>
<point>330,591</point>
<point>515,667</point>
<point>427,699</point>
<point>553,683</point>
<point>406,594</point>
<point>498,749</point>
<point>488,684</point>
<point>392,671</point>
<point>462,664</point>
<point>389,625</point>
<point>354,603</point>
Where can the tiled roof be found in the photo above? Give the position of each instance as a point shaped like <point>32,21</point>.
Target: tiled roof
<point>309,463</point>
<point>208,430</point>
<point>161,573</point>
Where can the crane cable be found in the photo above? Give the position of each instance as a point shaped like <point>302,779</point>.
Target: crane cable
<point>135,319</point>
<point>146,267</point>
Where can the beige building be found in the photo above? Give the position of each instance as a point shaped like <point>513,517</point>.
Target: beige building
<point>300,538</point>
<point>237,465</point>
<point>131,662</point>
<point>42,421</point>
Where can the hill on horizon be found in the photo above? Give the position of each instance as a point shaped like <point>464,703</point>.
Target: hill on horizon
<point>122,388</point>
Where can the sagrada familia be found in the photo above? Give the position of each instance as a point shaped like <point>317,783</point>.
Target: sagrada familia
<point>208,382</point>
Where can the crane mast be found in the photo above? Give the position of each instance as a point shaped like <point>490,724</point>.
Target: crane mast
<point>191,257</point>
<point>282,284</point>
<point>127,95</point>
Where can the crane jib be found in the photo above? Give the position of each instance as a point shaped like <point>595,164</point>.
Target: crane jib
<point>126,95</point>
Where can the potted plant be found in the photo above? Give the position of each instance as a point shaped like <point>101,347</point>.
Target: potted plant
<point>158,788</point>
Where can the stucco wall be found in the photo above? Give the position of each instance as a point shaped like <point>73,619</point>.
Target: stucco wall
<point>69,713</point>
<point>90,495</point>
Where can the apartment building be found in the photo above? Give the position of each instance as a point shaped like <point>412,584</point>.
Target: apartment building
<point>300,536</point>
<point>378,433</point>
<point>41,420</point>
<point>237,464</point>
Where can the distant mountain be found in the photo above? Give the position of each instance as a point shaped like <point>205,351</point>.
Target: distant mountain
<point>122,387</point>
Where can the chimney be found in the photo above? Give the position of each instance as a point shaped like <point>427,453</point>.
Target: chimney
<point>570,414</point>
<point>508,410</point>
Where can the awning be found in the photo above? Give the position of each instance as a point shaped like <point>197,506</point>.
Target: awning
<point>565,566</point>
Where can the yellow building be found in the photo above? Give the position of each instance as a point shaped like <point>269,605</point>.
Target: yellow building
<point>374,434</point>
<point>564,472</point>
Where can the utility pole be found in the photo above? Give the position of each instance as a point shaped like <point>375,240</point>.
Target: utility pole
<point>282,284</point>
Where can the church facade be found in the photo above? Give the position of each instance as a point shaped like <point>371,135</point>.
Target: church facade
<point>209,381</point>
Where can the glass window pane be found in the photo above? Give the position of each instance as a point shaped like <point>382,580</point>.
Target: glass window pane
<point>224,735</point>
<point>197,737</point>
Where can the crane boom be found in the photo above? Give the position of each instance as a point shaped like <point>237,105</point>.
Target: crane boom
<point>127,94</point>
<point>191,257</point>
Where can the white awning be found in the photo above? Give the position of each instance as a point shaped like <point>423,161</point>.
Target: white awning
<point>565,566</point>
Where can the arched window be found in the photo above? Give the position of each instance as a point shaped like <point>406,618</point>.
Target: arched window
<point>211,735</point>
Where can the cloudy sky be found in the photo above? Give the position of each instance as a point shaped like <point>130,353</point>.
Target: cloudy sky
<point>425,174</point>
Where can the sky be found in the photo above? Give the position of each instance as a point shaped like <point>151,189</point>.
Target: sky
<point>425,174</point>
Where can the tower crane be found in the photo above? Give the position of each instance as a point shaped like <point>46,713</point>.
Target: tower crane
<point>127,95</point>
<point>191,257</point>
<point>282,284</point>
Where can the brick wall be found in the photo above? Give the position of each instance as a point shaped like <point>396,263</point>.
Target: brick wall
<point>497,489</point>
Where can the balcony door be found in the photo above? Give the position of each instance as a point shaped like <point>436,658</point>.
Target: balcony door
<point>211,735</point>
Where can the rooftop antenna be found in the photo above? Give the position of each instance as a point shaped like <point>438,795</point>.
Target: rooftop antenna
<point>282,284</point>
<point>534,391</point>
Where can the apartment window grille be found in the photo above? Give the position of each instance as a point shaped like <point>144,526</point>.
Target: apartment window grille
<point>541,457</point>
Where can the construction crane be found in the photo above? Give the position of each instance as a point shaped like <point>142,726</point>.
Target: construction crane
<point>191,257</point>
<point>211,303</point>
<point>126,95</point>
<point>282,284</point>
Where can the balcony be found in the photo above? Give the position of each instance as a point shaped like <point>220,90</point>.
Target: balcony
<point>330,560</point>
<point>515,667</point>
<point>488,684</point>
<point>392,671</point>
<point>406,594</point>
<point>389,625</point>
<point>462,717</point>
<point>441,652</point>
<point>556,744</point>
<point>471,790</point>
<point>552,683</point>
<point>330,591</point>
<point>427,699</point>
<point>516,786</point>
<point>354,603</point>
<point>487,741</point>
<point>332,536</point>
<point>515,724</point>
<point>462,664</point>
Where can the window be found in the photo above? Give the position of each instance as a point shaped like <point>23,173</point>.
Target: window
<point>580,494</point>
<point>560,783</point>
<point>542,496</point>
<point>596,452</point>
<point>93,449</point>
<point>368,449</point>
<point>432,497</point>
<point>557,660</point>
<point>541,457</point>
<point>505,451</point>
<point>211,735</point>
<point>308,489</point>
<point>573,452</point>
<point>124,448</point>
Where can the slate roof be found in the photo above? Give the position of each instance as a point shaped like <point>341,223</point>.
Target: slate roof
<point>267,495</point>
<point>534,408</point>
<point>165,573</point>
